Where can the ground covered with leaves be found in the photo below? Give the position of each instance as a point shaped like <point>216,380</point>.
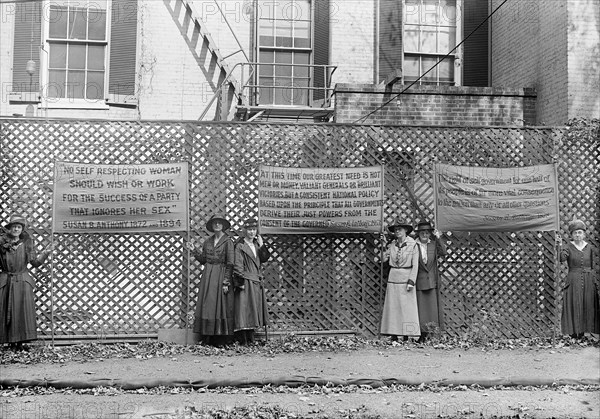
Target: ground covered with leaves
<point>305,394</point>
<point>290,343</point>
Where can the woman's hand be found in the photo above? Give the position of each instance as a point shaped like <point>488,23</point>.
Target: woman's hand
<point>409,287</point>
<point>259,240</point>
<point>437,233</point>
<point>191,246</point>
<point>225,289</point>
<point>48,250</point>
<point>558,239</point>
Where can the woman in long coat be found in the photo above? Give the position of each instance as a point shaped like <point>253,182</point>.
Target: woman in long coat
<point>214,308</point>
<point>250,301</point>
<point>17,301</point>
<point>431,247</point>
<point>400,314</point>
<point>581,308</point>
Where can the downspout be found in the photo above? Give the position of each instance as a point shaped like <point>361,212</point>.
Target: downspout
<point>376,41</point>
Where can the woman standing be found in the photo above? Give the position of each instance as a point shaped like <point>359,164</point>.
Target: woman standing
<point>431,247</point>
<point>214,309</point>
<point>250,301</point>
<point>17,302</point>
<point>400,314</point>
<point>581,309</point>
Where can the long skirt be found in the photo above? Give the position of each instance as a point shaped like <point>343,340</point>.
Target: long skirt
<point>250,306</point>
<point>429,309</point>
<point>581,308</point>
<point>214,309</point>
<point>17,308</point>
<point>400,312</point>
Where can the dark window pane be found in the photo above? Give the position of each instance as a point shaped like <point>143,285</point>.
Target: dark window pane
<point>97,25</point>
<point>56,83</point>
<point>57,22</point>
<point>446,69</point>
<point>95,57</point>
<point>266,94</point>
<point>76,56</point>
<point>302,35</point>
<point>427,63</point>
<point>75,84</point>
<point>266,33</point>
<point>266,57</point>
<point>265,70</point>
<point>411,67</point>
<point>94,88</point>
<point>77,23</point>
<point>58,56</point>
<point>283,34</point>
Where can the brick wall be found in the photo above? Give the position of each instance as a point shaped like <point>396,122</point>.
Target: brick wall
<point>584,58</point>
<point>529,49</point>
<point>352,41</point>
<point>434,105</point>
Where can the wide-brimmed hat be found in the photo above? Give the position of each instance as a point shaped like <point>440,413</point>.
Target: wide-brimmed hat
<point>400,224</point>
<point>424,226</point>
<point>16,219</point>
<point>217,217</point>
<point>576,225</point>
<point>251,222</point>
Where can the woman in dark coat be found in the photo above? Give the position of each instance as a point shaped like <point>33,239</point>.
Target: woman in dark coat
<point>250,301</point>
<point>214,309</point>
<point>431,247</point>
<point>17,301</point>
<point>581,308</point>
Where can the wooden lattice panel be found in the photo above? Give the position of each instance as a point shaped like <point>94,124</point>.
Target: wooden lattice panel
<point>494,285</point>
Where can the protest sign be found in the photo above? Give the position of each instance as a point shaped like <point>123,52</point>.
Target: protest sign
<point>496,199</point>
<point>320,200</point>
<point>111,198</point>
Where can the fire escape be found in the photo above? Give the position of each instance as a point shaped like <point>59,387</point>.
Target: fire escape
<point>250,91</point>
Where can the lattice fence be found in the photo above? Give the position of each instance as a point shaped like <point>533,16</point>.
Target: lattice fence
<point>131,285</point>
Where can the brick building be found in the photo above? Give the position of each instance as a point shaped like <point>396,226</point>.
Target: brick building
<point>532,62</point>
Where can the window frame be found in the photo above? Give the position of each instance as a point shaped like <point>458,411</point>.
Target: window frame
<point>456,56</point>
<point>274,49</point>
<point>66,102</point>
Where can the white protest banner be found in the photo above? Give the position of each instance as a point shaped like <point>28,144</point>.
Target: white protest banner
<point>111,198</point>
<point>320,200</point>
<point>496,199</point>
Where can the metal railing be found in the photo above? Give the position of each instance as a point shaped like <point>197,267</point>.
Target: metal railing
<point>312,88</point>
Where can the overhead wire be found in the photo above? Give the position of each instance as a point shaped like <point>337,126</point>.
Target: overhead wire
<point>362,118</point>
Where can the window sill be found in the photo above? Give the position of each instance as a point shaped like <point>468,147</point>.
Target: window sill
<point>24,97</point>
<point>74,104</point>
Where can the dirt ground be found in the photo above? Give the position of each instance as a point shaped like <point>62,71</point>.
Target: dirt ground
<point>421,363</point>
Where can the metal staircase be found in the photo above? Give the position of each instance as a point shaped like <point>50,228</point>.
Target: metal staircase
<point>209,58</point>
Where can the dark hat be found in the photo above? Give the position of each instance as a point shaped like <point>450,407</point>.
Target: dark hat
<point>576,225</point>
<point>424,226</point>
<point>218,217</point>
<point>400,223</point>
<point>251,222</point>
<point>16,219</point>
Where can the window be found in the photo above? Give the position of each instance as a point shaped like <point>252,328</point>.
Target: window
<point>77,49</point>
<point>78,39</point>
<point>430,32</point>
<point>284,51</point>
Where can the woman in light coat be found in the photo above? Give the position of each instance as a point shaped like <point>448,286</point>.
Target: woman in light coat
<point>400,314</point>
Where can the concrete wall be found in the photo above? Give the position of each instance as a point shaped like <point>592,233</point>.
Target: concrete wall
<point>433,105</point>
